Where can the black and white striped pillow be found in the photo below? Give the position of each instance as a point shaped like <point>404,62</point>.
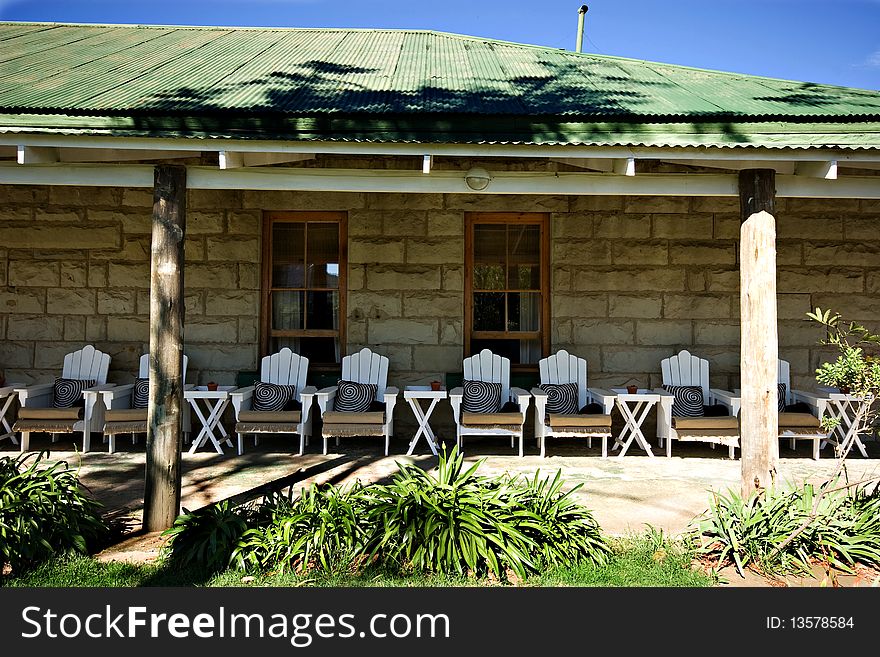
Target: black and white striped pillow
<point>481,397</point>
<point>781,387</point>
<point>271,396</point>
<point>352,397</point>
<point>562,398</point>
<point>140,397</point>
<point>688,401</point>
<point>68,392</point>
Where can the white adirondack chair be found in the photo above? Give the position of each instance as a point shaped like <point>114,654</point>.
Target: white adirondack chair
<point>281,368</point>
<point>792,425</point>
<point>685,369</point>
<point>36,401</point>
<point>563,367</point>
<point>362,367</point>
<point>490,368</point>
<point>120,417</point>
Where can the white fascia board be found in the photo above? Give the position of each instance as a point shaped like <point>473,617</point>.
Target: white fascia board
<point>445,182</point>
<point>446,150</point>
<point>826,170</point>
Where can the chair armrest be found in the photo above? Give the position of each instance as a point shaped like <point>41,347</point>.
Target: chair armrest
<point>817,402</point>
<point>726,398</point>
<point>666,399</point>
<point>117,396</point>
<point>455,396</point>
<point>390,401</point>
<point>522,398</point>
<point>37,395</point>
<point>604,397</point>
<point>391,392</point>
<point>540,404</point>
<point>307,398</point>
<point>325,396</point>
<point>242,398</point>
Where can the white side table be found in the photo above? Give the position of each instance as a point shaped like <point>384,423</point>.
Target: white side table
<point>214,403</point>
<point>7,396</point>
<point>633,416</point>
<point>413,394</point>
<point>843,407</point>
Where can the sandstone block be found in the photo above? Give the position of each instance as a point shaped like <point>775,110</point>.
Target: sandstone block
<point>45,236</point>
<point>794,226</point>
<point>587,252</point>
<point>453,278</point>
<point>447,250</point>
<point>402,331</point>
<point>205,222</point>
<point>132,249</point>
<point>439,359</point>
<point>579,305</point>
<point>240,302</point>
<point>640,253</point>
<point>133,275</point>
<point>35,327</point>
<point>717,333</point>
<point>116,302</point>
<point>682,226</point>
<point>244,222</point>
<point>70,302</point>
<point>15,194</point>
<point>635,305</point>
<point>850,254</point>
<point>596,203</point>
<point>506,202</point>
<point>719,204</point>
<point>128,329</point>
<point>31,273</point>
<point>96,329</point>
<point>451,331</point>
<point>84,196</point>
<point>561,278</point>
<point>634,359</point>
<point>221,357</point>
<point>216,199</point>
<point>248,276</point>
<point>405,201</point>
<point>56,214</point>
<point>705,253</point>
<point>75,328</point>
<point>574,225</point>
<point>281,200</point>
<point>440,224</point>
<point>631,279</point>
<point>603,331</point>
<point>663,332</point>
<point>237,249</point>
<point>214,275</point>
<point>137,197</point>
<point>623,226</point>
<point>793,306</point>
<point>16,355</point>
<point>696,306</point>
<point>74,274</point>
<point>205,330</point>
<point>403,277</point>
<point>374,305</point>
<point>375,250</point>
<point>247,330</point>
<point>432,304</point>
<point>852,307</point>
<point>357,277</point>
<point>365,223</point>
<point>814,279</point>
<point>656,204</point>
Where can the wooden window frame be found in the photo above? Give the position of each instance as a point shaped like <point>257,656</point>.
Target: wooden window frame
<point>540,219</point>
<point>303,216</point>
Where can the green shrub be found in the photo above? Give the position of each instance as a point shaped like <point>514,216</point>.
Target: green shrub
<point>44,511</point>
<point>205,538</point>
<point>449,522</point>
<point>843,530</point>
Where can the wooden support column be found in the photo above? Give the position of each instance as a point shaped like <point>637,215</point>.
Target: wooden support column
<point>759,351</point>
<point>164,437</point>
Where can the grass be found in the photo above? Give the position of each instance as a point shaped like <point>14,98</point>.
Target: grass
<point>637,561</point>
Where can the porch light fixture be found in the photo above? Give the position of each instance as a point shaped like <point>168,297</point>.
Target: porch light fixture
<point>477,179</point>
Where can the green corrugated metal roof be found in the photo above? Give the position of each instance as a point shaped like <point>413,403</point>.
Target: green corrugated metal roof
<point>430,84</point>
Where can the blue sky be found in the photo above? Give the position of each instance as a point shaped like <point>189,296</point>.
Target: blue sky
<point>827,41</point>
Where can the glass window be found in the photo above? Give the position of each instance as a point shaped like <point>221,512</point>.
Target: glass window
<point>304,294</point>
<point>508,296</point>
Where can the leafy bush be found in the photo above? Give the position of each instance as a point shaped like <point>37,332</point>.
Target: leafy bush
<point>843,530</point>
<point>205,538</point>
<point>44,511</point>
<point>449,522</point>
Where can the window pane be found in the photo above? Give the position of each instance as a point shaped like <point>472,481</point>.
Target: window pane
<point>488,277</point>
<point>317,350</point>
<point>322,310</point>
<point>288,254</point>
<point>523,311</point>
<point>520,352</point>
<point>287,310</point>
<point>489,311</point>
<point>323,255</point>
<point>524,277</point>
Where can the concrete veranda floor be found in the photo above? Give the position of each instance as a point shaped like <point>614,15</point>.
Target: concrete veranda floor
<point>625,494</point>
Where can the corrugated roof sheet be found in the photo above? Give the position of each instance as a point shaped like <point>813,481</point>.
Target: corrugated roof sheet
<point>137,71</point>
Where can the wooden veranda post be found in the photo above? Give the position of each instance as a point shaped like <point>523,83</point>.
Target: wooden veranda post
<point>759,351</point>
<point>162,485</point>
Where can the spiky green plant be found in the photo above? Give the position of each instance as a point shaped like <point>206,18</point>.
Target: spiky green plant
<point>205,538</point>
<point>44,511</point>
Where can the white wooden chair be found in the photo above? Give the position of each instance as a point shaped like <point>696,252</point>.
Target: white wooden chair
<point>792,425</point>
<point>362,367</point>
<point>282,368</point>
<point>120,416</point>
<point>561,368</point>
<point>37,412</point>
<point>490,368</point>
<point>685,369</point>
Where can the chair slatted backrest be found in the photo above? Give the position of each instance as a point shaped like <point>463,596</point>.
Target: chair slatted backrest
<point>784,376</point>
<point>489,368</point>
<point>685,369</point>
<point>285,368</point>
<point>563,367</point>
<point>144,367</point>
<point>366,367</point>
<point>87,364</point>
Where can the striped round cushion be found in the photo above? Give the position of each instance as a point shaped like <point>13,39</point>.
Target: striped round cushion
<point>481,397</point>
<point>688,401</point>
<point>68,392</point>
<point>781,387</point>
<point>562,398</point>
<point>271,396</point>
<point>352,397</point>
<point>140,397</point>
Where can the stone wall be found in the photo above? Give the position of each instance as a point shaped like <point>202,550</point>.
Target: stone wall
<point>634,279</point>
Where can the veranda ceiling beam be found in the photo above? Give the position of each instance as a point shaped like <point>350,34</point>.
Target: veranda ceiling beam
<point>238,159</point>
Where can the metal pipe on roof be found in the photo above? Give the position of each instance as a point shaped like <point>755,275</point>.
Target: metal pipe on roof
<point>580,35</point>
